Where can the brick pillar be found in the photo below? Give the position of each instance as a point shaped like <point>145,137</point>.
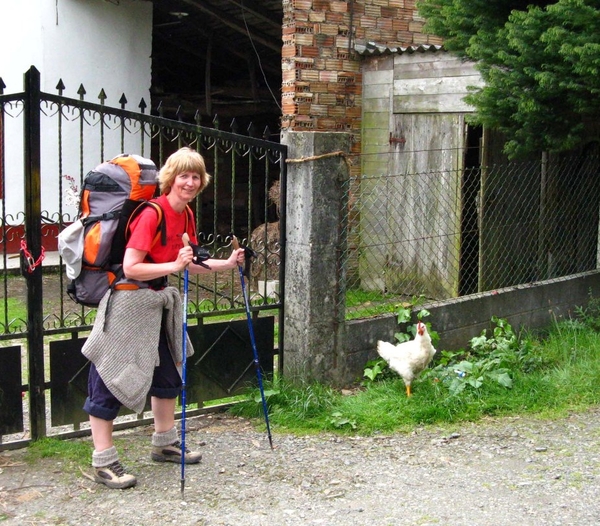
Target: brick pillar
<point>322,81</point>
<point>321,72</point>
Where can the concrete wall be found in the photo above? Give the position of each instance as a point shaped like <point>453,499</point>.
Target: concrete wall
<point>458,320</point>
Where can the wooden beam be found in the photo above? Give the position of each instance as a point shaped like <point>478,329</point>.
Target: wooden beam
<point>170,102</point>
<point>258,12</point>
<point>224,18</point>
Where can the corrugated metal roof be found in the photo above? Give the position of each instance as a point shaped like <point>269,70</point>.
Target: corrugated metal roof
<point>374,49</point>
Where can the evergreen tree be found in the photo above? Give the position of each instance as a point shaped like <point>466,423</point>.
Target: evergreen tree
<point>540,62</point>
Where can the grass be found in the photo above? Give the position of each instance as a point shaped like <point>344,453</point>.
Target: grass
<point>73,453</point>
<point>363,304</point>
<point>14,311</point>
<point>546,375</point>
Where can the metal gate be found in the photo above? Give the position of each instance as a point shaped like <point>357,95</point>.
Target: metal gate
<point>48,143</point>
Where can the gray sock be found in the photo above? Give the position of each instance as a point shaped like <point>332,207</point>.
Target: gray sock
<point>165,439</point>
<point>104,458</point>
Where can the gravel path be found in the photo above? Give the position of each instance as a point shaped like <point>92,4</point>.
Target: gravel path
<point>497,472</point>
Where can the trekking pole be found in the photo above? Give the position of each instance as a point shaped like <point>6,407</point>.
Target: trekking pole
<point>250,253</point>
<point>186,276</point>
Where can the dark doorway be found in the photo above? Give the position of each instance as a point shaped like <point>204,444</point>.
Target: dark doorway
<point>471,183</point>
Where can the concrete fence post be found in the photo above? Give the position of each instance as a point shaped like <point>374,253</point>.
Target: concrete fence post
<point>317,176</point>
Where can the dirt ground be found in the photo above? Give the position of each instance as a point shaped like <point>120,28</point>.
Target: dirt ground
<point>498,472</point>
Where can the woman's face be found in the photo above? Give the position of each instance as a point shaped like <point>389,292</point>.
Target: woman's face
<point>186,185</point>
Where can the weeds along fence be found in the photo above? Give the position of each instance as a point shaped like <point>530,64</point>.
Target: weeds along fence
<point>437,235</point>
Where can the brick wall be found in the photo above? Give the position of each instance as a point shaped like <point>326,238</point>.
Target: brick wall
<point>322,79</point>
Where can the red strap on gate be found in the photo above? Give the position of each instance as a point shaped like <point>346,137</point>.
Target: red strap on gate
<point>31,264</point>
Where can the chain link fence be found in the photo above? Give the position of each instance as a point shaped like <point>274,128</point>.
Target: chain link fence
<point>444,234</point>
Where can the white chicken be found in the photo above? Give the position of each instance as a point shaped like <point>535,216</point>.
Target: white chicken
<point>409,358</point>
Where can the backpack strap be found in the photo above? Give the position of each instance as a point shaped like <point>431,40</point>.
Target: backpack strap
<point>106,216</point>
<point>161,227</point>
<point>189,218</point>
<point>161,233</point>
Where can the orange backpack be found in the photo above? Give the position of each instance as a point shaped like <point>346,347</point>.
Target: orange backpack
<point>112,194</point>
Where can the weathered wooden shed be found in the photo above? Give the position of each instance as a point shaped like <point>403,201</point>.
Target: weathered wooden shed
<point>463,216</point>
<point>414,132</point>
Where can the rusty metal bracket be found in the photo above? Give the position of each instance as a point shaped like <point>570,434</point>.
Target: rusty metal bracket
<point>397,140</point>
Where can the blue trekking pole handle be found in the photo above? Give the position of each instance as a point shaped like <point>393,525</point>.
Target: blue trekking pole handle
<point>186,242</point>
<point>235,243</point>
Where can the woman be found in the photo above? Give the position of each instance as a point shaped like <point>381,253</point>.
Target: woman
<point>121,373</point>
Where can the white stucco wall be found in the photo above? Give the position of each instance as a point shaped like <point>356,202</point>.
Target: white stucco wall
<point>100,44</point>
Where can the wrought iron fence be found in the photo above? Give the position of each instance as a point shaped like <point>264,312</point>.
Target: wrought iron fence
<point>446,234</point>
<point>48,143</point>
<point>74,136</point>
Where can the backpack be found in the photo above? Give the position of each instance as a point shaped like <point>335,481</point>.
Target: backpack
<point>112,195</point>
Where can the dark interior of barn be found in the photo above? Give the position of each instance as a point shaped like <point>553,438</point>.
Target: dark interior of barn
<point>218,58</point>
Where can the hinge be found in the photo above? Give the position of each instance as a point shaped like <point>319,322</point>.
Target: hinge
<point>397,140</point>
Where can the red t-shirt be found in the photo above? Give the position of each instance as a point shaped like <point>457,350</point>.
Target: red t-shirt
<point>143,231</point>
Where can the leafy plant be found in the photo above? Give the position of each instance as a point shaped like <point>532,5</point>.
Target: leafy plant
<point>338,420</point>
<point>404,318</point>
<point>404,315</point>
<point>376,370</point>
<point>490,360</point>
<point>373,369</point>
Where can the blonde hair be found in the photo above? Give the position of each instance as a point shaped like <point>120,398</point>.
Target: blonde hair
<point>183,160</point>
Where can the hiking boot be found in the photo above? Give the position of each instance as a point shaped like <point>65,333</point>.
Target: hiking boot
<point>172,453</point>
<point>114,476</point>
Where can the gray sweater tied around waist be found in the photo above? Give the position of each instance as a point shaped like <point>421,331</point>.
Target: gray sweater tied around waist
<point>123,344</point>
